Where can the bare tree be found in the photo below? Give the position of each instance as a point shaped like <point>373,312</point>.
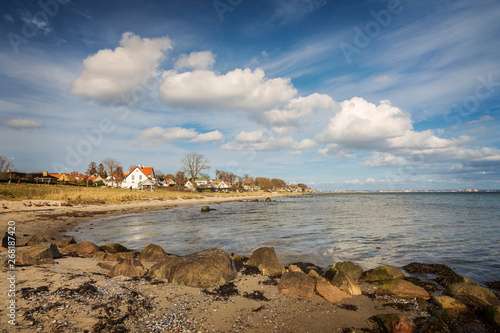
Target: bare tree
<point>6,164</point>
<point>193,164</point>
<point>112,167</point>
<point>179,178</point>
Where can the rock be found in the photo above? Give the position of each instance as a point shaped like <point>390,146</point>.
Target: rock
<point>395,323</point>
<point>6,238</point>
<point>402,289</point>
<point>493,316</point>
<point>268,200</point>
<point>66,242</point>
<point>119,256</point>
<point>346,283</point>
<point>85,247</point>
<point>315,275</point>
<point>436,269</point>
<point>329,292</point>
<point>350,269</point>
<point>203,269</point>
<point>41,251</point>
<point>113,248</point>
<point>472,295</point>
<point>237,257</point>
<point>205,209</point>
<point>383,273</point>
<point>100,255</point>
<point>129,267</point>
<point>105,265</point>
<point>154,253</point>
<point>266,261</point>
<point>25,260</point>
<point>449,303</point>
<point>37,239</point>
<point>294,283</point>
<point>294,268</point>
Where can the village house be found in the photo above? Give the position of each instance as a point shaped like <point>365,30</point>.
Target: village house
<point>139,177</point>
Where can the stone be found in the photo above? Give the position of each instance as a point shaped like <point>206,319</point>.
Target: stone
<point>395,323</point>
<point>294,268</point>
<point>237,257</point>
<point>493,316</point>
<point>37,239</point>
<point>449,303</point>
<point>266,261</point>
<point>315,275</point>
<point>383,273</point>
<point>66,242</point>
<point>41,251</point>
<point>346,283</point>
<point>100,255</point>
<point>350,269</point>
<point>85,247</point>
<point>154,253</point>
<point>329,292</point>
<point>113,248</point>
<point>105,265</point>
<point>6,238</point>
<point>25,260</point>
<point>205,209</point>
<point>205,269</point>
<point>472,295</point>
<point>129,267</point>
<point>268,200</point>
<point>294,283</point>
<point>402,289</point>
<point>119,256</point>
<point>436,269</point>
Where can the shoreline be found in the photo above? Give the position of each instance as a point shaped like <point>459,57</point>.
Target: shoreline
<point>52,218</point>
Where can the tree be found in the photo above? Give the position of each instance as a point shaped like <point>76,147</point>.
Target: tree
<point>92,169</point>
<point>6,164</point>
<point>264,183</point>
<point>180,178</point>
<point>193,164</point>
<point>159,175</point>
<point>101,171</point>
<point>277,183</point>
<point>112,166</point>
<point>171,176</point>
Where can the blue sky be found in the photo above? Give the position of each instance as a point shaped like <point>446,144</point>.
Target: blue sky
<point>338,95</point>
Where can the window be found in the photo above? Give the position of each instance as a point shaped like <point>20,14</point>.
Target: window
<point>140,177</point>
<point>133,178</point>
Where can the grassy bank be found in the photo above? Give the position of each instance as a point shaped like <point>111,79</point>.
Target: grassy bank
<point>80,195</point>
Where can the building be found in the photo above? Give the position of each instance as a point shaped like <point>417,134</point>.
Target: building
<point>137,175</point>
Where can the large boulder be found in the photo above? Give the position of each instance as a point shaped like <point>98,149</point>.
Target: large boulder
<point>473,295</point>
<point>120,256</point>
<point>41,251</point>
<point>493,316</point>
<point>205,269</point>
<point>346,283</point>
<point>129,267</point>
<point>113,248</point>
<point>329,292</point>
<point>154,253</point>
<point>352,270</point>
<point>266,261</point>
<point>395,323</point>
<point>449,303</point>
<point>295,283</point>
<point>84,247</point>
<point>383,273</point>
<point>37,239</point>
<point>402,289</point>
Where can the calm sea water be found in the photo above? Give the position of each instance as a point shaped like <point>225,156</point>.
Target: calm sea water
<point>461,230</point>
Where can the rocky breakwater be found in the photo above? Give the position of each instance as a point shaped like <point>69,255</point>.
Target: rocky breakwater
<point>415,298</point>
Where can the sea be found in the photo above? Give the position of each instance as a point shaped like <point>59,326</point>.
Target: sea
<point>460,230</point>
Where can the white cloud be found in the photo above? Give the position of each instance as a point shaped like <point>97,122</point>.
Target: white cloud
<point>258,141</point>
<point>249,136</point>
<point>109,74</point>
<point>195,60</point>
<point>335,150</point>
<point>240,89</point>
<point>482,119</point>
<point>157,134</point>
<point>20,123</point>
<point>209,137</point>
<point>306,144</point>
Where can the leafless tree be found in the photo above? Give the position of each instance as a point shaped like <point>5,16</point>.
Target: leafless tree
<point>112,167</point>
<point>193,164</point>
<point>6,164</point>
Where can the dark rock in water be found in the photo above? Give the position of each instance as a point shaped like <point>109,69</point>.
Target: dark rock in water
<point>383,273</point>
<point>395,323</point>
<point>268,200</point>
<point>402,289</point>
<point>154,253</point>
<point>266,260</point>
<point>203,269</point>
<point>129,267</point>
<point>205,209</point>
<point>113,248</point>
<point>473,295</point>
<point>437,269</point>
<point>37,239</point>
<point>6,238</point>
<point>350,269</point>
<point>294,283</point>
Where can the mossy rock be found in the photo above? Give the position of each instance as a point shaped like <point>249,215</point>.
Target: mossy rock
<point>402,289</point>
<point>350,269</point>
<point>449,303</point>
<point>205,209</point>
<point>473,295</point>
<point>383,273</point>
<point>113,248</point>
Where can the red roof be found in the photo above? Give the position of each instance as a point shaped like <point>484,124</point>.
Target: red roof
<point>146,171</point>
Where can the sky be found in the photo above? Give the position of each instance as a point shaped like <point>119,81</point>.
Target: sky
<point>339,95</point>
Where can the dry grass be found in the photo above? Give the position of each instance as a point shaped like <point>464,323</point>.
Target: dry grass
<point>81,195</point>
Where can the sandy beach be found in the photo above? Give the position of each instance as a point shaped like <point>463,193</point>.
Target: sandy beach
<point>74,293</point>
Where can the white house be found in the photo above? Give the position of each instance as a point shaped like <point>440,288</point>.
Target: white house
<point>137,175</point>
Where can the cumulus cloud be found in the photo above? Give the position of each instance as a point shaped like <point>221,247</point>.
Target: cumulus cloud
<point>109,74</point>
<point>258,141</point>
<point>156,135</point>
<point>306,144</point>
<point>240,89</point>
<point>195,60</point>
<point>20,123</point>
<point>335,150</point>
